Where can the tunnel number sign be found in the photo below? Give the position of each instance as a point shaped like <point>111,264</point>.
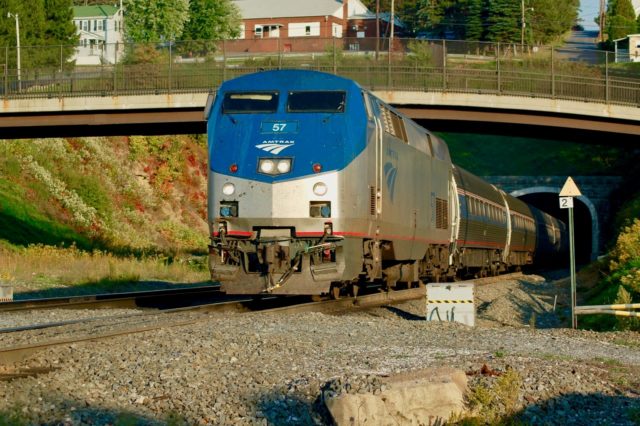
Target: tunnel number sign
<point>566,202</point>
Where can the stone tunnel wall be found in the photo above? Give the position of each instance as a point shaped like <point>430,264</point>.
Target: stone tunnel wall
<point>596,191</point>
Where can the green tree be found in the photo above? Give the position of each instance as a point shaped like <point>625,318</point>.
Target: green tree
<point>155,20</point>
<point>475,28</point>
<point>621,19</point>
<point>212,20</point>
<point>43,24</point>
<point>551,19</point>
<point>504,21</point>
<point>59,29</point>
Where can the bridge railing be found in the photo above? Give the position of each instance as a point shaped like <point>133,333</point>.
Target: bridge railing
<point>405,64</point>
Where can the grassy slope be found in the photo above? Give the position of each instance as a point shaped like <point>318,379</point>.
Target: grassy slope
<point>127,195</point>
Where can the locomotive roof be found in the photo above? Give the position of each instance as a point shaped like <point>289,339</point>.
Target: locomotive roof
<point>289,80</point>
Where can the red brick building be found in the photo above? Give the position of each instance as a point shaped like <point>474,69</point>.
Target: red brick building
<point>296,18</point>
<point>303,25</point>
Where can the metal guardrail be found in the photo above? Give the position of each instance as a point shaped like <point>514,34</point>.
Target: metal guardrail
<point>411,65</point>
<point>621,309</point>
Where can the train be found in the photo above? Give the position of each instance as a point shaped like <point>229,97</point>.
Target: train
<point>318,187</point>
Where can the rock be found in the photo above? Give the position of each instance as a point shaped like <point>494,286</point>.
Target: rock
<point>407,399</point>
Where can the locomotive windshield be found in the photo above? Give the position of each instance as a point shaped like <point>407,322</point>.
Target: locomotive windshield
<point>244,103</point>
<point>316,101</point>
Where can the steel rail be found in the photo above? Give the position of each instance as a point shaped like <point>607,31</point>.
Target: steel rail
<point>18,353</point>
<point>103,300</point>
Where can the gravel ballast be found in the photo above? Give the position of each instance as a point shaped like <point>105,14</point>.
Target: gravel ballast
<point>271,368</point>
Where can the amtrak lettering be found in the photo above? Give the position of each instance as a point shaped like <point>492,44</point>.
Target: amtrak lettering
<point>275,146</point>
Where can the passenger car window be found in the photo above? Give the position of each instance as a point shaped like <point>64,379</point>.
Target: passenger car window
<point>245,103</point>
<point>316,101</point>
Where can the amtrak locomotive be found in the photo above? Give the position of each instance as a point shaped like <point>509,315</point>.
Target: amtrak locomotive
<point>316,185</point>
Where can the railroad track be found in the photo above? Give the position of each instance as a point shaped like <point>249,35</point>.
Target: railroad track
<point>138,299</point>
<point>194,314</point>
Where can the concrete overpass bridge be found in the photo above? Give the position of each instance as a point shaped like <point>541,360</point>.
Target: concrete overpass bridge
<point>111,114</point>
<point>449,85</point>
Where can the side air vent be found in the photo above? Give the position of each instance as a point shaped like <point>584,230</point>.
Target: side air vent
<point>442,213</point>
<point>372,201</point>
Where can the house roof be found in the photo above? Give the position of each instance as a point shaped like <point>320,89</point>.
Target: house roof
<point>262,9</point>
<point>94,11</point>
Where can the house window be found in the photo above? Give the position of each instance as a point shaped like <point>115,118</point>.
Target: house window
<point>100,25</point>
<point>258,31</point>
<point>85,25</point>
<point>307,30</point>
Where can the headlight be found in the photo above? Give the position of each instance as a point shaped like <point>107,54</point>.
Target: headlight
<point>284,166</point>
<point>266,166</point>
<point>320,188</point>
<point>228,188</point>
<point>274,166</point>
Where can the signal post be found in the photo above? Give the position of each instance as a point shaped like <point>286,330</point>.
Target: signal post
<point>568,192</point>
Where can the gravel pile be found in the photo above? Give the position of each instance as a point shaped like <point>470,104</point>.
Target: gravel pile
<point>250,369</point>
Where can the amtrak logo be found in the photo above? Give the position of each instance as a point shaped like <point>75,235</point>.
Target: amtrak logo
<point>275,146</point>
<point>390,172</point>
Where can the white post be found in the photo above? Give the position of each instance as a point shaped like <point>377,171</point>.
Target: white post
<point>568,192</point>
<point>9,15</point>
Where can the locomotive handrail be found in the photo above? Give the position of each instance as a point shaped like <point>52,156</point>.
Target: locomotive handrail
<point>407,65</point>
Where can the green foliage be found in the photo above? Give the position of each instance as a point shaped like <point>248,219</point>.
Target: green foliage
<point>493,403</point>
<point>155,20</point>
<point>421,53</point>
<point>550,19</point>
<point>621,19</point>
<point>12,418</point>
<point>488,155</point>
<point>212,20</point>
<point>622,283</point>
<point>44,23</point>
<point>495,20</point>
<point>504,21</point>
<point>105,193</point>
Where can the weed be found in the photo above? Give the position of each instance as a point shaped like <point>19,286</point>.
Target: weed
<point>494,404</point>
<point>499,354</point>
<point>634,415</point>
<point>12,418</point>
<point>608,361</point>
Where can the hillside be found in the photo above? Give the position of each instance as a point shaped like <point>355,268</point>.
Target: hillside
<point>127,195</point>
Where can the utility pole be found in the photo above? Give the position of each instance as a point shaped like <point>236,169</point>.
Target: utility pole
<point>393,18</point>
<point>377,28</point>
<point>602,19</point>
<point>523,24</point>
<point>12,15</point>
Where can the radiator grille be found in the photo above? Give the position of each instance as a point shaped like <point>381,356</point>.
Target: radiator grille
<point>442,214</point>
<point>372,200</point>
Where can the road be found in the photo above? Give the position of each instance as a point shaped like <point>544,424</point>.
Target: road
<point>581,46</point>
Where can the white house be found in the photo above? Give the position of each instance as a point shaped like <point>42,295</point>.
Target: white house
<point>101,33</point>
<point>627,49</point>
